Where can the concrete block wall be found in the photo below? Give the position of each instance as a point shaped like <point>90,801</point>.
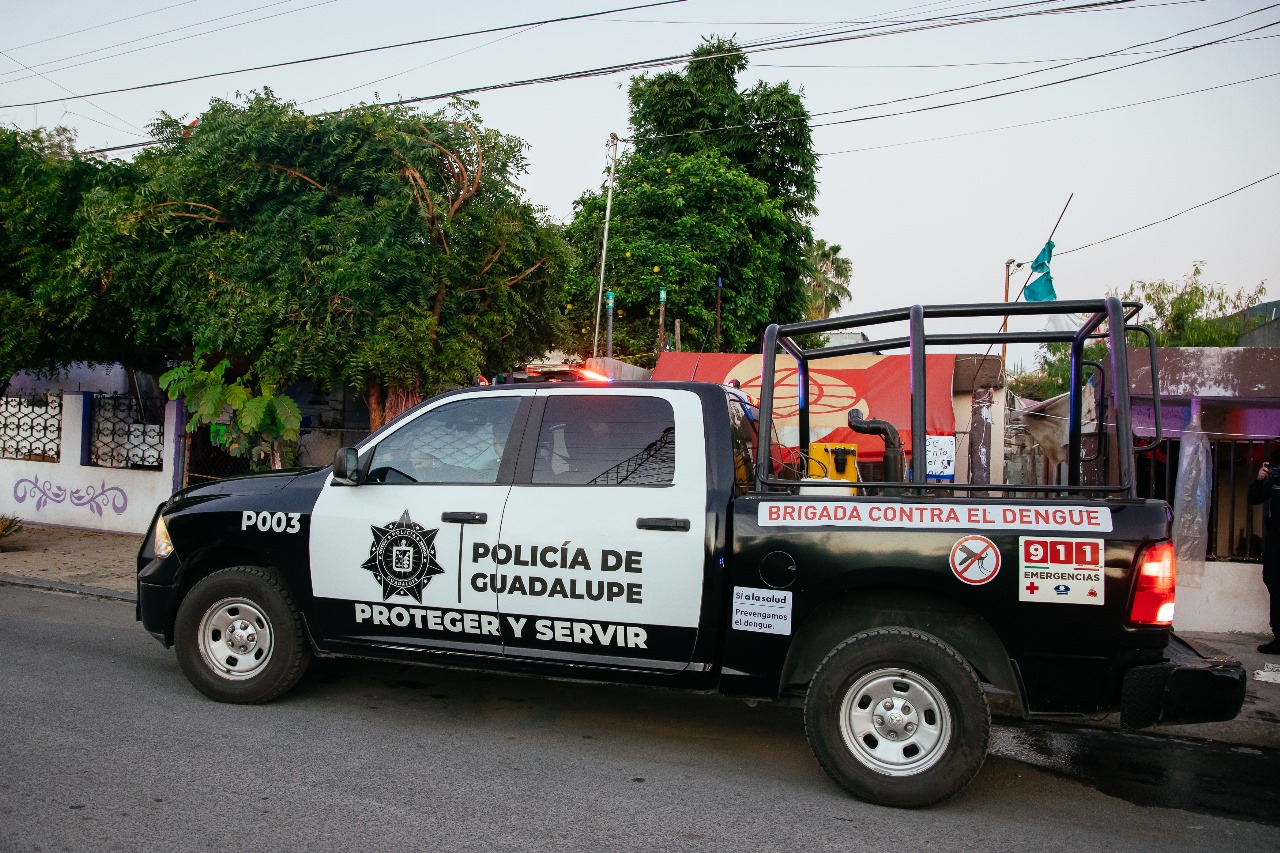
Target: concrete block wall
<point>69,493</point>
<point>1222,597</point>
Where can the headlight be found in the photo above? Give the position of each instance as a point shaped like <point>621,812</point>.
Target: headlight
<point>161,544</point>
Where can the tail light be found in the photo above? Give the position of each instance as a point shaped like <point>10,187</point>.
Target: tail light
<point>1153,596</point>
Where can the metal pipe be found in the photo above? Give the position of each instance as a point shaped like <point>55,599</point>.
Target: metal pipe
<point>764,461</point>
<point>918,452</point>
<point>1120,391</point>
<point>1074,413</point>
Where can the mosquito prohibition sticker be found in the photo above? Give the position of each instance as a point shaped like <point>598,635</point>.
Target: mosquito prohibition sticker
<point>975,560</point>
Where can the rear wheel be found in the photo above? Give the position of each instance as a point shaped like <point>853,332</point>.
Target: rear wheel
<point>897,717</point>
<point>239,636</point>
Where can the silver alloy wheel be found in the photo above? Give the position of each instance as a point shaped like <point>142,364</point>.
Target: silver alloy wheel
<point>235,638</point>
<point>895,722</point>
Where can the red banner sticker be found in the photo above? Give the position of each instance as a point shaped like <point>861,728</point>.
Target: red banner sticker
<point>975,560</point>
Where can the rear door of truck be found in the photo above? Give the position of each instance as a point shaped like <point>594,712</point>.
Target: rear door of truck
<point>601,555</point>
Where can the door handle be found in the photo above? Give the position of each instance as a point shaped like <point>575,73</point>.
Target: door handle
<point>465,517</point>
<point>662,523</point>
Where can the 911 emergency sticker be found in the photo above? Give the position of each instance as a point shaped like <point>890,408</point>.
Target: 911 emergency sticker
<point>1061,571</point>
<point>766,611</point>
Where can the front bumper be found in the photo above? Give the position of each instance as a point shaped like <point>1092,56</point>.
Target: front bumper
<point>1184,688</point>
<point>158,598</point>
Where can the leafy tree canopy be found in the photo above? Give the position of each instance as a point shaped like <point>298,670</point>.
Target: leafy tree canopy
<point>1188,312</point>
<point>827,274</point>
<point>42,184</point>
<point>679,222</point>
<point>763,129</point>
<point>377,248</point>
<point>697,135</point>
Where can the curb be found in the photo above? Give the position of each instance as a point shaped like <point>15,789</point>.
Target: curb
<point>56,586</point>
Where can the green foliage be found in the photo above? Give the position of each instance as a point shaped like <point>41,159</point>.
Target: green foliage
<point>43,182</point>
<point>1183,313</point>
<point>377,248</point>
<point>1191,313</point>
<point>679,222</point>
<point>9,525</point>
<point>764,129</point>
<point>721,183</point>
<point>827,274</point>
<point>262,426</point>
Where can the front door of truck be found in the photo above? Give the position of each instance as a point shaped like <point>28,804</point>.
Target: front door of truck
<point>387,555</point>
<point>601,554</point>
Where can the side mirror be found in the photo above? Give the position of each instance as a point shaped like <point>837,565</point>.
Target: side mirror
<point>346,467</point>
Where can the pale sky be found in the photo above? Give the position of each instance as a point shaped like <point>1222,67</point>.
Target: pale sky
<point>922,221</point>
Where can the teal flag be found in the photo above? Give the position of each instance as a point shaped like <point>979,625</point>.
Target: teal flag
<point>1041,290</point>
<point>1041,263</point>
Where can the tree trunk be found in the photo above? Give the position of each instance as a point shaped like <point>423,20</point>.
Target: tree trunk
<point>386,404</point>
<point>374,397</point>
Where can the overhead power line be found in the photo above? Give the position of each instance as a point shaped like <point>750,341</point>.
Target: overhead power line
<point>986,16</point>
<point>100,26</point>
<point>987,64</point>
<point>170,41</point>
<point>1167,218</point>
<point>1035,87</point>
<point>1049,120</point>
<point>781,44</point>
<point>347,53</point>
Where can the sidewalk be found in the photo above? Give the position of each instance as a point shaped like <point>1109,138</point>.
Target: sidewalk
<point>104,564</point>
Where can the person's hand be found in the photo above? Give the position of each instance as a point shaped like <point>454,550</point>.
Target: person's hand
<point>1264,472</point>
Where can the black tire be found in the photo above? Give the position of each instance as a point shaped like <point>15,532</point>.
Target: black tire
<point>898,718</point>
<point>239,636</point>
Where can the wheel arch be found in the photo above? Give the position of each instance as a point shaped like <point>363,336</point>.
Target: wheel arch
<point>205,562</point>
<point>864,609</point>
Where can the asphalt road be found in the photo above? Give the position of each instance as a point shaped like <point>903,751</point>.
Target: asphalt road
<point>104,746</point>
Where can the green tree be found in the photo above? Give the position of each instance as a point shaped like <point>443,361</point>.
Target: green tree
<point>1187,312</point>
<point>697,121</point>
<point>827,274</point>
<point>376,248</point>
<point>43,182</point>
<point>678,222</point>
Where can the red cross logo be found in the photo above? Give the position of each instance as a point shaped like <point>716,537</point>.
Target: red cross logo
<point>1032,588</point>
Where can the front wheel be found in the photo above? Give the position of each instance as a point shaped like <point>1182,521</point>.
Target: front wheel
<point>239,636</point>
<point>897,717</point>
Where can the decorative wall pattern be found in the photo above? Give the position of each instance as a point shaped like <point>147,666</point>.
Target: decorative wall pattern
<point>96,499</point>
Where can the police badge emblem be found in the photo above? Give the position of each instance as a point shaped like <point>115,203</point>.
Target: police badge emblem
<point>403,558</point>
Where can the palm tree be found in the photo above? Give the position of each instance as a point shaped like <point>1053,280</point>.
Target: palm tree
<point>827,274</point>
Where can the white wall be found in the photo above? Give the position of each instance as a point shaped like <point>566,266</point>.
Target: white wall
<point>65,492</point>
<point>1224,597</point>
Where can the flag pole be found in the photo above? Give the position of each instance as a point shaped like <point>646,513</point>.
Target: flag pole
<point>1051,233</point>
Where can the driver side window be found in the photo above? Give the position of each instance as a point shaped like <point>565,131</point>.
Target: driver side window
<point>459,442</point>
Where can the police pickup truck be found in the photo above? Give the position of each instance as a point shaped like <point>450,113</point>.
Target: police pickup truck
<point>656,533</point>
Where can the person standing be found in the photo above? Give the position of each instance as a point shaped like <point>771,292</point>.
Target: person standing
<point>1266,489</point>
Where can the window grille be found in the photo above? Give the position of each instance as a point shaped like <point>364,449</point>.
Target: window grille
<point>1235,528</point>
<point>31,428</point>
<point>127,432</point>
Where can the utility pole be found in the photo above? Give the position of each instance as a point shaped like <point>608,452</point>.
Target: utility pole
<point>611,147</point>
<point>662,320</point>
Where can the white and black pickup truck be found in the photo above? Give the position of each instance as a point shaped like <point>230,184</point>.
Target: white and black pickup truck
<point>626,532</point>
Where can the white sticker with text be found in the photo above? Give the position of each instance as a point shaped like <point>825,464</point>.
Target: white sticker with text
<point>1061,571</point>
<point>923,516</point>
<point>767,611</point>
